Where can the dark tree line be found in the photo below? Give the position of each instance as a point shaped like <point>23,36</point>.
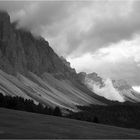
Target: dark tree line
<point>125,115</point>
<point>19,103</point>
<point>84,116</point>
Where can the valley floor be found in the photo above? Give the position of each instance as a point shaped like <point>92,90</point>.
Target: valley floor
<point>19,124</point>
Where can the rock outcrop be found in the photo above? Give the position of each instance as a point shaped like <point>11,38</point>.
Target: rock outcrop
<point>20,52</point>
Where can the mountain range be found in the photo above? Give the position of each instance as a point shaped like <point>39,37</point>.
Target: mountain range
<point>115,90</point>
<point>31,69</point>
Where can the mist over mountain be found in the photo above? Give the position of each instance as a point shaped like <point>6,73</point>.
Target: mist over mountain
<point>31,69</point>
<point>115,90</point>
<point>69,59</point>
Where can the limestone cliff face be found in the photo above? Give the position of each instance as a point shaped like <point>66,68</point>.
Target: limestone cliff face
<point>20,52</point>
<point>92,76</point>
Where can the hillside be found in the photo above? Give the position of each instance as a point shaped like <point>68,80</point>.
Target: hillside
<point>30,125</point>
<point>31,69</point>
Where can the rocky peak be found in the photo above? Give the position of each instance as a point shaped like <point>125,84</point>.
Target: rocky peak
<point>4,16</point>
<point>81,77</point>
<point>4,13</point>
<point>20,51</point>
<point>94,76</point>
<point>4,26</point>
<point>121,85</point>
<point>65,61</point>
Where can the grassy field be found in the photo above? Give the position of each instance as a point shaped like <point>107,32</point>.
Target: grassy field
<point>18,124</point>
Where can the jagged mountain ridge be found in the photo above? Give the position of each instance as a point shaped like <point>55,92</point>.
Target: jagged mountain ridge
<point>30,68</point>
<point>124,91</point>
<point>22,52</point>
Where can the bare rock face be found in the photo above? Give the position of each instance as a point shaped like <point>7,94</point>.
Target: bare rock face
<point>94,76</point>
<point>4,26</point>
<point>91,76</point>
<point>20,52</point>
<point>6,42</point>
<point>82,76</point>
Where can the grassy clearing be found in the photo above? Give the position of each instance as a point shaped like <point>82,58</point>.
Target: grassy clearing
<point>19,124</point>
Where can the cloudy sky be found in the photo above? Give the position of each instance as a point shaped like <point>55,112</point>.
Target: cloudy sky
<point>101,36</point>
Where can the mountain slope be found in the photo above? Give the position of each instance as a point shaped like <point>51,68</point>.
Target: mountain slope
<point>31,69</point>
<point>125,90</point>
<point>115,90</point>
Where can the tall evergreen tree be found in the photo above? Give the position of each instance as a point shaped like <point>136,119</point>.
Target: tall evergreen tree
<point>57,111</point>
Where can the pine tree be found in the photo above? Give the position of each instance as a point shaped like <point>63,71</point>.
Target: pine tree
<point>57,111</point>
<point>96,120</point>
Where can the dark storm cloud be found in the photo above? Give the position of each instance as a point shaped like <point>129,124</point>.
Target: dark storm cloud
<point>109,30</point>
<point>34,15</point>
<point>53,18</point>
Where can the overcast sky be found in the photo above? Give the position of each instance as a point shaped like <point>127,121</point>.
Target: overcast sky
<point>101,36</point>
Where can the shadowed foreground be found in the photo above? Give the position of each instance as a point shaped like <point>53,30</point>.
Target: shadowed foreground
<point>18,124</point>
